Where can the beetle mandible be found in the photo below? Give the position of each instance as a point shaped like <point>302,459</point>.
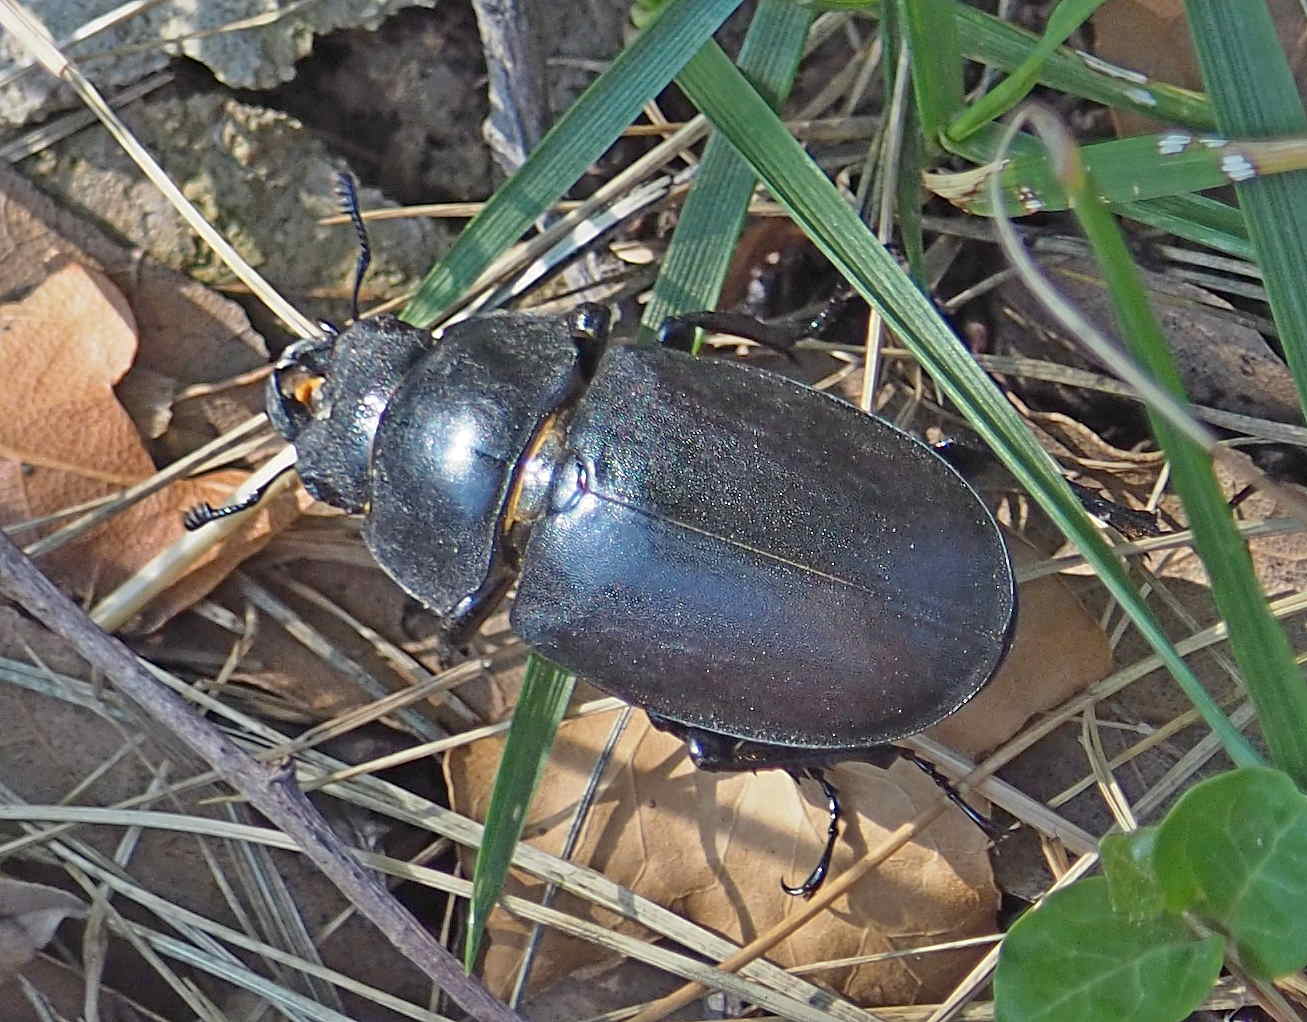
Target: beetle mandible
<point>776,576</point>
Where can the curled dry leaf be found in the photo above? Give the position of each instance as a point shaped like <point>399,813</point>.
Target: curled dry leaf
<point>66,345</point>
<point>186,333</point>
<point>29,915</point>
<point>180,334</point>
<point>1091,458</point>
<point>65,438</point>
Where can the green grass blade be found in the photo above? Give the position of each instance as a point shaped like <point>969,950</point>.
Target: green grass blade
<point>930,31</point>
<point>699,255</point>
<point>545,694</point>
<point>1195,218</point>
<point>907,198</point>
<point>776,42</point>
<point>1068,16</point>
<point>1254,95</point>
<point>1127,170</point>
<point>995,43</point>
<point>1259,644</point>
<point>718,89</point>
<point>578,139</point>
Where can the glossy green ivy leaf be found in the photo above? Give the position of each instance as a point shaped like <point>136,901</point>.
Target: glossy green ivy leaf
<point>1128,866</point>
<point>1074,960</point>
<point>1233,851</point>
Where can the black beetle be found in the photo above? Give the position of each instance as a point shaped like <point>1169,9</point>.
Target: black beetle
<point>776,576</point>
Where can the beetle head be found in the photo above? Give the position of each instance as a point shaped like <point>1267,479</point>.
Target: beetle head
<point>326,396</point>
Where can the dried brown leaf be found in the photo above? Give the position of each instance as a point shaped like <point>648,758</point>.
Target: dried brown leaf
<point>715,847</point>
<point>66,345</point>
<point>29,915</point>
<point>1149,36</point>
<point>1152,37</point>
<point>1059,649</point>
<point>186,333</point>
<point>209,572</point>
<point>66,440</point>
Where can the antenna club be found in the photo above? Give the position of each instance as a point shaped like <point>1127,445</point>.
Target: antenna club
<point>349,205</point>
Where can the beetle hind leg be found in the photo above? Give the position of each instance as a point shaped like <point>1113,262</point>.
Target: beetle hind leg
<point>817,877</point>
<point>721,753</point>
<point>986,826</point>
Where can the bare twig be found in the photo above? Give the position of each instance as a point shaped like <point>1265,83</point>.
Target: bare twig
<point>518,96</point>
<point>268,789</point>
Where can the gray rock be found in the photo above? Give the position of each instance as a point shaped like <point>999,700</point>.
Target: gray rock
<point>256,174</point>
<point>257,57</point>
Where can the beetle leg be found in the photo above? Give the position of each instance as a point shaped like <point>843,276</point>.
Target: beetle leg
<point>721,753</point>
<point>589,323</point>
<point>1130,522</point>
<point>818,875</point>
<point>471,612</point>
<point>829,312</point>
<point>978,466</point>
<point>678,331</point>
<point>945,785</point>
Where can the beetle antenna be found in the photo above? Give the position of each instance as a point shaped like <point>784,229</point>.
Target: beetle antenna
<point>349,205</point>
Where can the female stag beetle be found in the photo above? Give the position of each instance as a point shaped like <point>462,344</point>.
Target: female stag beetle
<point>776,576</point>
